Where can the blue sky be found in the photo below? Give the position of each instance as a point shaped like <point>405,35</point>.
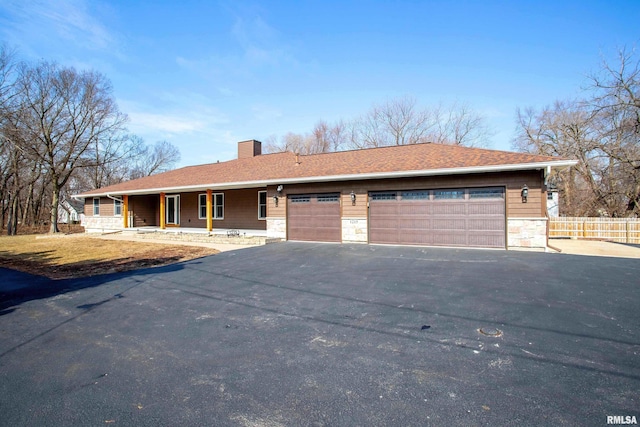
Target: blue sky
<point>205,74</point>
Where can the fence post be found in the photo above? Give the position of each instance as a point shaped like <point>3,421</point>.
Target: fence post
<point>584,229</point>
<point>627,232</point>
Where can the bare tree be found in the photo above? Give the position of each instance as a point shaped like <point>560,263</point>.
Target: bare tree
<point>602,131</point>
<point>310,143</point>
<point>459,124</point>
<point>61,115</point>
<point>616,103</point>
<point>149,160</point>
<point>400,122</point>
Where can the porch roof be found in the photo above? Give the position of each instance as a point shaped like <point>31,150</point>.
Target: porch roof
<point>375,163</point>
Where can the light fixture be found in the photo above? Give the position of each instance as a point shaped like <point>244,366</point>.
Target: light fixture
<point>279,189</point>
<point>275,199</point>
<point>524,193</point>
<point>353,198</point>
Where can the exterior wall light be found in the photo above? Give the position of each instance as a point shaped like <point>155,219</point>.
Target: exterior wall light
<point>277,195</point>
<point>353,198</point>
<point>524,193</point>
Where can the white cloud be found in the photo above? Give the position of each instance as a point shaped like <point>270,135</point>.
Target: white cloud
<point>73,21</point>
<point>151,122</point>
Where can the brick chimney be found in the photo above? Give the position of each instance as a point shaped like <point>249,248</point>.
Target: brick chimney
<point>250,148</point>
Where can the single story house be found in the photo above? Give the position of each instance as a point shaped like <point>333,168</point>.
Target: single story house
<point>70,212</point>
<point>421,194</point>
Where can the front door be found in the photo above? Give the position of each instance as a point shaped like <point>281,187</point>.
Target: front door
<point>173,210</point>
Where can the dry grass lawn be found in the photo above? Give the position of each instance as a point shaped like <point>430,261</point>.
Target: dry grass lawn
<point>77,255</point>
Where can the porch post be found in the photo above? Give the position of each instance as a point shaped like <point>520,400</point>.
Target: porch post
<point>163,225</point>
<point>125,211</point>
<point>209,212</point>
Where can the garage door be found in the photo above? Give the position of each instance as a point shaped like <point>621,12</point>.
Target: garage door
<point>472,217</point>
<point>314,217</point>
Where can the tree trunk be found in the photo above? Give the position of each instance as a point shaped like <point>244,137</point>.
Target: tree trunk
<point>54,209</point>
<point>27,204</point>
<point>12,224</point>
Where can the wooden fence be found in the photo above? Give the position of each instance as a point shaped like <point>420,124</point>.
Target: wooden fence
<point>623,230</point>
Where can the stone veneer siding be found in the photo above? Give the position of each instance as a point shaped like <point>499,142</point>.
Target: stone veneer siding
<point>277,228</point>
<point>99,224</point>
<point>527,233</point>
<point>354,230</point>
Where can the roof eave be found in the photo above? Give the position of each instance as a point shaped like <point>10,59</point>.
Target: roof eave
<point>559,164</point>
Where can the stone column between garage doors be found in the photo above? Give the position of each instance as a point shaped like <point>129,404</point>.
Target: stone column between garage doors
<point>354,230</point>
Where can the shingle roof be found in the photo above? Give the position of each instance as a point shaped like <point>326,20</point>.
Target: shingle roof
<point>405,160</point>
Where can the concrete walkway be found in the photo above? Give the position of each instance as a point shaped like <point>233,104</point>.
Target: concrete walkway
<point>596,248</point>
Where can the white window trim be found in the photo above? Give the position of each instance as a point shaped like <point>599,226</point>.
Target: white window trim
<point>115,203</point>
<point>93,206</point>
<point>214,206</point>
<point>265,205</point>
<point>200,205</point>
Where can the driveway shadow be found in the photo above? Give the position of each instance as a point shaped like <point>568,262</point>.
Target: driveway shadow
<point>18,287</point>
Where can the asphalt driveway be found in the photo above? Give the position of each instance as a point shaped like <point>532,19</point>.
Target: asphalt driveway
<point>319,334</point>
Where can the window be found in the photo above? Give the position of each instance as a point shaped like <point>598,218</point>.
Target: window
<point>262,204</point>
<point>486,193</point>
<point>415,195</point>
<point>383,196</point>
<point>300,199</point>
<point>448,194</point>
<point>202,206</point>
<point>218,206</point>
<point>117,207</point>
<point>96,206</point>
<point>328,198</point>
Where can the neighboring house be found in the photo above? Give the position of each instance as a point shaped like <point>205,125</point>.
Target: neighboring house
<point>553,208</point>
<point>421,194</point>
<point>70,212</point>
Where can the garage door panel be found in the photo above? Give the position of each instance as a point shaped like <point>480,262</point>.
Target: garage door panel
<point>448,224</point>
<point>467,217</point>
<point>448,208</point>
<point>485,209</point>
<point>449,238</point>
<point>485,241</point>
<point>413,208</point>
<point>486,224</point>
<point>314,217</point>
<point>413,223</point>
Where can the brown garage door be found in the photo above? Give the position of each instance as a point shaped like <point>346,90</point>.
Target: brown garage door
<point>449,217</point>
<point>314,217</point>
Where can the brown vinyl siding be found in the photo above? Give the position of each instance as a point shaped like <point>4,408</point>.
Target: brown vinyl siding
<point>240,210</point>
<point>189,211</point>
<point>145,210</point>
<point>106,206</point>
